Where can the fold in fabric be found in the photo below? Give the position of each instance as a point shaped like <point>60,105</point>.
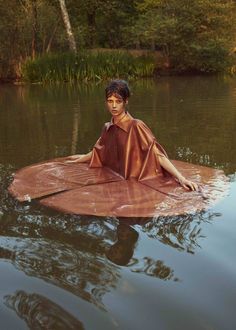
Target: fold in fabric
<point>123,179</point>
<point>42,179</point>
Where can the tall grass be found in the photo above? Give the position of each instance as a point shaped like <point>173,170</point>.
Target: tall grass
<point>87,66</point>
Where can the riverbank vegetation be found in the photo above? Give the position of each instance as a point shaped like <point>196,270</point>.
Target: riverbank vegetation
<point>47,40</point>
<point>88,66</point>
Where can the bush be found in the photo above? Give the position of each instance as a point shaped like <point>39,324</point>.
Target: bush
<point>208,58</point>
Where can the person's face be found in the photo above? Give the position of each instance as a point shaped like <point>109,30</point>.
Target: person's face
<point>116,105</point>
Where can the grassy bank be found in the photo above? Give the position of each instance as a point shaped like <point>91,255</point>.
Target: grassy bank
<point>88,66</point>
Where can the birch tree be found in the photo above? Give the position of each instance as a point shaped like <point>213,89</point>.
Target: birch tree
<point>66,20</point>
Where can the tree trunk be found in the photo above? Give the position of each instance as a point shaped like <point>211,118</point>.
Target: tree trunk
<point>34,43</point>
<point>66,21</point>
<point>51,38</point>
<point>92,28</point>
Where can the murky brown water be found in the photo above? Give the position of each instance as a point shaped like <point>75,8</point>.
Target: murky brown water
<point>75,272</point>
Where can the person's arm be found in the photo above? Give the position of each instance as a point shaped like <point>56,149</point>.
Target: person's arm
<point>80,158</point>
<point>169,167</point>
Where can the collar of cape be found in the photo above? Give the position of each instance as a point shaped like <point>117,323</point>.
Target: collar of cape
<point>124,123</point>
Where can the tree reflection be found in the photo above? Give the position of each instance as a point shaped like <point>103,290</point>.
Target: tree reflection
<point>77,271</point>
<point>180,232</point>
<point>155,268</point>
<point>41,313</point>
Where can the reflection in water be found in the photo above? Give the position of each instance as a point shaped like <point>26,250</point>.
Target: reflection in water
<point>38,123</point>
<point>193,117</point>
<point>84,274</point>
<point>41,313</point>
<point>122,251</point>
<point>180,232</point>
<point>75,129</point>
<point>72,252</point>
<point>155,268</point>
<point>63,242</point>
<point>183,233</point>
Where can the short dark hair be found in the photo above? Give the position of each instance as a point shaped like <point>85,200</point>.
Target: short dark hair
<point>119,87</point>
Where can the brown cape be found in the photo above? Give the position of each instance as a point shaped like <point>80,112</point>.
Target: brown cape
<point>124,178</point>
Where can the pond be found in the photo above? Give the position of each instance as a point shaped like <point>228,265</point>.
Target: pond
<point>58,271</point>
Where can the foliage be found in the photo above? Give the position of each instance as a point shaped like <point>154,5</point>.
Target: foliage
<point>87,66</point>
<point>16,32</point>
<point>196,35</point>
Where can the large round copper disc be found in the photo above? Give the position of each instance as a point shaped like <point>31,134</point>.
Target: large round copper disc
<point>78,189</point>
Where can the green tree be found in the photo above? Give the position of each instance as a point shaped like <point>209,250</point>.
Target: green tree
<point>28,28</point>
<point>193,35</point>
<point>101,23</point>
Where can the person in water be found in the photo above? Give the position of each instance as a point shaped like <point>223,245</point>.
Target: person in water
<point>127,146</point>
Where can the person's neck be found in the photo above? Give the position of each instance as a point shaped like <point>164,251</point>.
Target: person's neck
<point>116,119</point>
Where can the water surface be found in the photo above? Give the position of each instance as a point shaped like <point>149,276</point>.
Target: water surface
<point>74,272</point>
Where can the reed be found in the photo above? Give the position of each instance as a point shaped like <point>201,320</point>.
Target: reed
<point>87,66</point>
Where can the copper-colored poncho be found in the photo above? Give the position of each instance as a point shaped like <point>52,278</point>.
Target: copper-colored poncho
<point>123,179</point>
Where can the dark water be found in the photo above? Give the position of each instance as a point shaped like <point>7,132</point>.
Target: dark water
<point>75,272</point>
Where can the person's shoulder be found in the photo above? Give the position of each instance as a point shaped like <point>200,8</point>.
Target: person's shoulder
<point>138,123</point>
<point>140,128</point>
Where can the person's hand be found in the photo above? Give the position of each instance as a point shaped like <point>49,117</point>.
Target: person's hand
<point>73,159</point>
<point>187,184</point>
